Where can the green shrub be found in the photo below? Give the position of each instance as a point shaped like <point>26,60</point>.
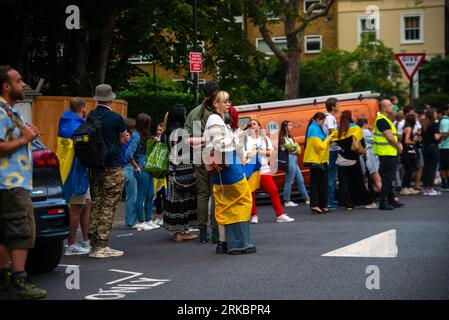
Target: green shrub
<point>154,104</point>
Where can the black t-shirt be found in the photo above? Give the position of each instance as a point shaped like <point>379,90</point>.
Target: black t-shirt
<point>383,125</point>
<point>113,126</point>
<point>345,151</point>
<point>429,135</point>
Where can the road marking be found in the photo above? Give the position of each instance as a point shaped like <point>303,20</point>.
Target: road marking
<point>120,291</point>
<point>124,235</point>
<point>382,245</point>
<point>68,265</point>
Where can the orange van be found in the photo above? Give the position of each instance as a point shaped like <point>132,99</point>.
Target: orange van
<point>299,112</point>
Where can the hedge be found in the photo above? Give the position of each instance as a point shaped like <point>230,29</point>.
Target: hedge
<point>156,105</point>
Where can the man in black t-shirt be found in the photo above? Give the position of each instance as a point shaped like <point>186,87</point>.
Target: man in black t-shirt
<point>106,184</point>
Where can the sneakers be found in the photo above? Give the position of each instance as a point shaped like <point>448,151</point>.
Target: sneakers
<point>290,204</point>
<point>145,227</point>
<point>307,202</point>
<point>101,253</point>
<point>445,186</point>
<point>255,219</point>
<point>21,288</point>
<point>76,249</point>
<point>221,248</point>
<point>284,218</point>
<point>432,192</point>
<point>371,206</point>
<point>85,244</point>
<point>152,224</point>
<point>159,222</point>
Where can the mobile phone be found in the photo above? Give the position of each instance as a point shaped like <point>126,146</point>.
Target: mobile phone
<point>246,125</point>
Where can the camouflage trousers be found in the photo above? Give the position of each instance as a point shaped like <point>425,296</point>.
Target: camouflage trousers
<point>106,187</point>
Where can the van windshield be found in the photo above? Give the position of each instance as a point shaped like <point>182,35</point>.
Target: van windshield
<point>242,121</point>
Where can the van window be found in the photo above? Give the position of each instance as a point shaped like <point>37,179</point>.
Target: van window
<point>242,121</point>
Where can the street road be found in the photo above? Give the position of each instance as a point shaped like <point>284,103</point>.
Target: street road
<point>407,259</point>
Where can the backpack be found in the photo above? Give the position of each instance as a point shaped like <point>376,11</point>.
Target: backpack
<point>90,148</point>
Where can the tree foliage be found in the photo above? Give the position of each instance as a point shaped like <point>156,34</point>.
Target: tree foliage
<point>371,66</point>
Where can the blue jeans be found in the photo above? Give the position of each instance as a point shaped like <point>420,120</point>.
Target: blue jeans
<point>332,177</point>
<point>294,174</point>
<point>145,194</point>
<point>130,196</point>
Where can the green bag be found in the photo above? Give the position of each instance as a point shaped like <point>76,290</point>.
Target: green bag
<point>157,159</point>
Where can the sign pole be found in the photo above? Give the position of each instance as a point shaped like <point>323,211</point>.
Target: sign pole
<point>410,63</point>
<point>195,49</point>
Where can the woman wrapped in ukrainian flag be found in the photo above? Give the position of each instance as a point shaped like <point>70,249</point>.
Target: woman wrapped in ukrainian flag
<point>232,193</point>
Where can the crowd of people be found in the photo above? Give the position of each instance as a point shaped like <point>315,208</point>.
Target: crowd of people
<point>351,164</point>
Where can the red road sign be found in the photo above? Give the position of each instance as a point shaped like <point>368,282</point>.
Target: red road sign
<point>196,62</point>
<point>410,62</point>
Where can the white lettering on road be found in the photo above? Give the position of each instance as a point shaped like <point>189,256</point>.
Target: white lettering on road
<point>119,291</point>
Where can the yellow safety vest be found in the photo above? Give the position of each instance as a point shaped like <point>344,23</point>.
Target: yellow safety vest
<point>382,147</point>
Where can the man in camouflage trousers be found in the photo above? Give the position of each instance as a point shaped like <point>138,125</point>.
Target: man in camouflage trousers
<point>106,183</point>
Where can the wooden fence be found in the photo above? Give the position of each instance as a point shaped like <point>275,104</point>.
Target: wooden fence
<point>47,111</point>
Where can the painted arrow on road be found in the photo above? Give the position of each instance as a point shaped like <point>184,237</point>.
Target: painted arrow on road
<point>382,245</point>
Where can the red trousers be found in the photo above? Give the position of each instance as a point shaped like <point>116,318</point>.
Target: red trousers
<point>267,184</point>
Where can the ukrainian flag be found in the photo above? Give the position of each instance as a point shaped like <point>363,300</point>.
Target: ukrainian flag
<point>158,185</point>
<point>252,173</point>
<point>75,178</point>
<point>354,130</point>
<point>232,194</point>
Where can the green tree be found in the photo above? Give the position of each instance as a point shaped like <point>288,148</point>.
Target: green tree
<point>295,23</point>
<point>371,66</point>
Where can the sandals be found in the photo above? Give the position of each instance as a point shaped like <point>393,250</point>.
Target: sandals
<point>179,236</point>
<point>316,211</point>
<point>188,236</point>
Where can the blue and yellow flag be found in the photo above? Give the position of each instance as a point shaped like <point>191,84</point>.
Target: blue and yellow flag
<point>232,194</point>
<point>252,173</point>
<point>75,178</point>
<point>354,130</point>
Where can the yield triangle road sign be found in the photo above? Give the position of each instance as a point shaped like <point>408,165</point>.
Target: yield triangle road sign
<point>382,245</point>
<point>410,62</point>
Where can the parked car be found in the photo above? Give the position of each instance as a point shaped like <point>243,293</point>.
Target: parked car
<point>51,211</point>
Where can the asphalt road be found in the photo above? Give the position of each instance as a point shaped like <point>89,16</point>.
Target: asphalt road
<point>288,264</point>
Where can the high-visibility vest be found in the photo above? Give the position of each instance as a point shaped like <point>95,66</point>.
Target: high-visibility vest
<point>382,147</point>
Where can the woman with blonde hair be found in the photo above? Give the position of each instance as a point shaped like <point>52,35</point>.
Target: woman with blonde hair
<point>232,194</point>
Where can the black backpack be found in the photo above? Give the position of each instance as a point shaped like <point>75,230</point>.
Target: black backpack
<point>88,141</point>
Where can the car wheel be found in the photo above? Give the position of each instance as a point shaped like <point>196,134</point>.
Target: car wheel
<point>45,256</point>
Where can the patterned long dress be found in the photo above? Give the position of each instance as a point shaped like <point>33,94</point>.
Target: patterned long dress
<point>181,211</point>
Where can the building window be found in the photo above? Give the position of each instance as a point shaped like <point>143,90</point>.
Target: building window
<point>281,42</point>
<point>313,44</point>
<point>368,26</point>
<point>308,3</point>
<point>239,20</point>
<point>412,28</point>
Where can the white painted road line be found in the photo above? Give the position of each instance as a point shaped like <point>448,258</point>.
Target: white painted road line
<point>382,245</point>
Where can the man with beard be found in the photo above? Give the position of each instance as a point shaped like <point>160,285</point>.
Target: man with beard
<point>17,225</point>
